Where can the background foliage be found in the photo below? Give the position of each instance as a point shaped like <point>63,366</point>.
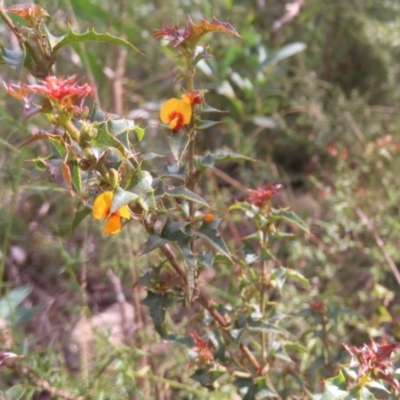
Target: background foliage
<point>316,103</point>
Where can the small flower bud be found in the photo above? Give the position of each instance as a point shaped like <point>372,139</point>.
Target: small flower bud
<point>208,218</point>
<point>113,177</point>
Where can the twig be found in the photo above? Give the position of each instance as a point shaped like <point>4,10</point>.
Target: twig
<point>208,305</point>
<point>292,11</point>
<point>118,81</point>
<point>40,383</point>
<point>380,243</point>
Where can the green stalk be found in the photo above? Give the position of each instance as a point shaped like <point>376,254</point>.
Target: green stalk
<point>190,73</point>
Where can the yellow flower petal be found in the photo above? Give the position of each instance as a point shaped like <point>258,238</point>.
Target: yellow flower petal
<point>124,212</point>
<point>113,225</point>
<point>102,205</point>
<point>174,106</point>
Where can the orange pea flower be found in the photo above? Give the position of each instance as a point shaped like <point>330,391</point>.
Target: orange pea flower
<point>176,113</point>
<point>101,210</point>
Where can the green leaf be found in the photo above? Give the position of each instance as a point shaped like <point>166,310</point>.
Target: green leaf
<point>206,108</point>
<point>15,393</point>
<point>178,142</point>
<point>201,124</point>
<point>362,393</point>
<point>76,175</point>
<point>181,192</point>
<point>260,326</point>
<point>140,132</point>
<point>121,125</point>
<point>91,35</point>
<point>104,140</point>
<point>79,216</point>
<point>122,198</point>
<point>158,304</point>
<point>335,388</point>
<point>15,59</point>
<point>10,301</point>
<point>176,170</point>
<point>186,341</point>
<point>209,231</point>
<point>206,377</point>
<point>208,160</point>
<point>295,346</point>
<point>291,273</point>
<point>290,217</point>
<point>174,231</point>
<point>206,260</point>
<point>58,149</point>
<point>140,182</point>
<point>279,275</point>
<point>153,243</point>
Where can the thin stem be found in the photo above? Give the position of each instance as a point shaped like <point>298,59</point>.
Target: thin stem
<point>262,309</point>
<point>190,72</point>
<point>22,39</point>
<point>209,306</point>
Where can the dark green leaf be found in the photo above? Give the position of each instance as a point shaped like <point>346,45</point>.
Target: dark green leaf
<point>209,231</point>
<point>104,140</point>
<point>181,192</point>
<point>200,124</point>
<point>290,217</point>
<point>178,142</point>
<point>152,243</point>
<point>79,216</point>
<point>206,260</point>
<point>182,340</point>
<point>260,326</point>
<point>175,231</point>
<point>122,198</point>
<point>206,108</point>
<point>76,175</point>
<point>206,377</point>
<point>10,301</point>
<point>176,170</point>
<point>15,59</point>
<point>72,37</point>
<point>158,304</point>
<point>140,182</point>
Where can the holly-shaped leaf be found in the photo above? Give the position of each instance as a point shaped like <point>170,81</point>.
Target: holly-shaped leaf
<point>141,184</point>
<point>91,35</point>
<point>209,231</point>
<point>290,217</point>
<point>121,198</point>
<point>14,58</point>
<point>178,142</point>
<point>181,192</point>
<point>158,304</point>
